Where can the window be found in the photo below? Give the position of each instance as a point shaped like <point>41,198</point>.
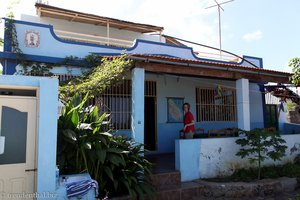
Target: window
<point>216,106</point>
<point>117,102</point>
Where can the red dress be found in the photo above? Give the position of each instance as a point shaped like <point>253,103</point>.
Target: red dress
<point>188,118</point>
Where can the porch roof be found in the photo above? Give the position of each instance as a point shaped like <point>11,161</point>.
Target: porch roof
<point>44,10</point>
<point>207,68</point>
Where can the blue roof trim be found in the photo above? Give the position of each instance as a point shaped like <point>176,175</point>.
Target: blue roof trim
<point>36,58</point>
<point>257,58</point>
<point>135,45</point>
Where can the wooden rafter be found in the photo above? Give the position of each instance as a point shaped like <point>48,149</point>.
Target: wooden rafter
<point>206,71</point>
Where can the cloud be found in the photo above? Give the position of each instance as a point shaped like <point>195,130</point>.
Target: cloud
<point>253,36</point>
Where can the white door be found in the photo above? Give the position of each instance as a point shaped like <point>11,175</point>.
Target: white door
<point>17,162</point>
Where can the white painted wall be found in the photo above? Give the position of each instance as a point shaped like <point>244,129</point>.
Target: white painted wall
<point>215,157</point>
<point>243,104</point>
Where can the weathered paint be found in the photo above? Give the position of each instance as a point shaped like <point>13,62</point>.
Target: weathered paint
<point>47,125</point>
<point>215,157</point>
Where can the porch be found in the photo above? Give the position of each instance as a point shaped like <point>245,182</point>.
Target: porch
<point>240,105</point>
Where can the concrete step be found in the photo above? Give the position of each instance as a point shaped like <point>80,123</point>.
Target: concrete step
<point>166,179</point>
<point>183,191</point>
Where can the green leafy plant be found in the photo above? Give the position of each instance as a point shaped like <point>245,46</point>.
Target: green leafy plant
<point>260,144</point>
<point>85,144</point>
<point>290,106</point>
<point>274,171</point>
<point>109,72</point>
<point>295,64</point>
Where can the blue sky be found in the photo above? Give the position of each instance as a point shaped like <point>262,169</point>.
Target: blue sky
<point>262,28</point>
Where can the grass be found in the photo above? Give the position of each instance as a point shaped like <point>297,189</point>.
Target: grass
<point>248,175</point>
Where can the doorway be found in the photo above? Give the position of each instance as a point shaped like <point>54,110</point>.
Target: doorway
<point>271,116</point>
<point>17,160</point>
<point>150,135</point>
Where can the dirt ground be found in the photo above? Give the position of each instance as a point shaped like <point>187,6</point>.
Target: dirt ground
<point>284,196</point>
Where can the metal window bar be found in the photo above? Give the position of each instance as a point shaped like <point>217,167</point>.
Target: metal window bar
<point>210,107</point>
<point>116,101</point>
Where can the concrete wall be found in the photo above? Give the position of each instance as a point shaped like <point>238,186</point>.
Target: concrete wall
<point>185,87</point>
<point>215,157</point>
<point>46,125</point>
<point>290,128</point>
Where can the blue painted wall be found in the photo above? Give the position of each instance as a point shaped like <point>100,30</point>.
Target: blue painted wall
<point>174,86</point>
<point>289,128</point>
<point>256,106</point>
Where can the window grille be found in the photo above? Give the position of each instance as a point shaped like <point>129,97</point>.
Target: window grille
<point>65,77</point>
<point>116,101</point>
<point>216,106</point>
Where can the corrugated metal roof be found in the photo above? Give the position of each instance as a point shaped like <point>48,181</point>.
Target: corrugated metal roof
<point>205,62</point>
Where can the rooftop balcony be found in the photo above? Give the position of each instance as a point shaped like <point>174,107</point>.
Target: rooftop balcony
<point>203,52</point>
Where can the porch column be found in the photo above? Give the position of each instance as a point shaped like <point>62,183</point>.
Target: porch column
<point>243,106</point>
<point>137,100</point>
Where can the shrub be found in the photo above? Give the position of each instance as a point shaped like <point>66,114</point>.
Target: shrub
<point>85,144</point>
<point>259,144</point>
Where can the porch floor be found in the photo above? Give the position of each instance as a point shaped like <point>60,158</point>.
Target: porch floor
<point>162,163</point>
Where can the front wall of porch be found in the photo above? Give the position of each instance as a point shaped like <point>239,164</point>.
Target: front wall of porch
<point>216,157</point>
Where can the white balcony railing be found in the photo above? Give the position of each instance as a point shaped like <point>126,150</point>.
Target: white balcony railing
<point>95,39</point>
<point>216,55</point>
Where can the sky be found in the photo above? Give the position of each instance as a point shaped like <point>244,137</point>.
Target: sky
<point>262,28</point>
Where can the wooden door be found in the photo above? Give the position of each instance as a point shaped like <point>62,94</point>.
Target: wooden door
<point>17,162</point>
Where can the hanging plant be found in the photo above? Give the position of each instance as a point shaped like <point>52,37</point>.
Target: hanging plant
<point>94,82</point>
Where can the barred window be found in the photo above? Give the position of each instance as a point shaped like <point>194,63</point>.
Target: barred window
<point>212,105</point>
<point>116,101</point>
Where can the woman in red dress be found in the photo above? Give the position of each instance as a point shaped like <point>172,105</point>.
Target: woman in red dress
<point>189,122</point>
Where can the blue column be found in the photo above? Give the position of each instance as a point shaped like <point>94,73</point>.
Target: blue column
<point>47,135</point>
<point>138,100</point>
<point>243,105</point>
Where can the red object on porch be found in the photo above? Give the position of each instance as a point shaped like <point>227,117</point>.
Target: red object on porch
<point>188,118</point>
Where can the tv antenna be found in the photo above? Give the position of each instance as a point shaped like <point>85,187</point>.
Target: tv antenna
<point>219,11</point>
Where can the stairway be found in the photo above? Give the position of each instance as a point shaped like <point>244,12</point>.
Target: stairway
<point>170,187</point>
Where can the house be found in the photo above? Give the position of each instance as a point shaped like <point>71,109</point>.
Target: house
<point>224,92</point>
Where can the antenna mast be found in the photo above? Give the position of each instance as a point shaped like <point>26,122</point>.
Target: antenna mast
<point>219,11</point>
